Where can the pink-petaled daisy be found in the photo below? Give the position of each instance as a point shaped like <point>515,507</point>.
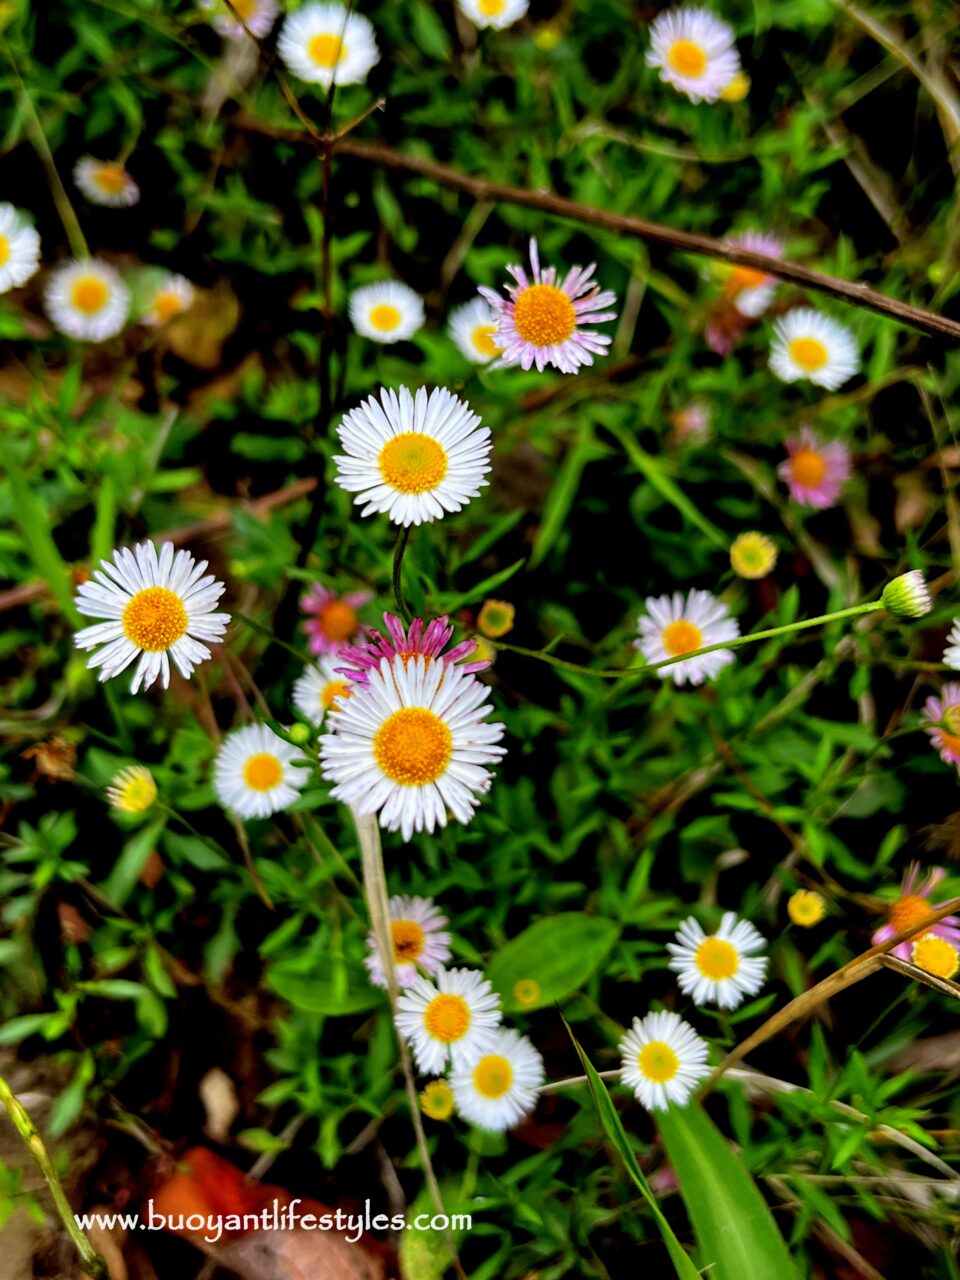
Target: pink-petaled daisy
<point>719,968</point>
<point>751,291</point>
<point>258,16</point>
<point>419,941</point>
<point>424,640</point>
<point>942,716</point>
<point>663,1060</point>
<point>914,905</point>
<point>171,296</point>
<point>540,320</point>
<point>695,52</point>
<point>499,1089</point>
<point>320,689</point>
<point>333,622</point>
<point>808,344</point>
<point>105,182</point>
<point>451,1019</point>
<point>674,626</point>
<point>815,471</point>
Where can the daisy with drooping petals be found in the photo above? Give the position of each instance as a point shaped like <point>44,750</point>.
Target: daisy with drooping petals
<point>156,607</point>
<point>499,1089</point>
<point>172,295</point>
<point>936,956</point>
<point>452,1019</point>
<point>257,773</point>
<point>493,13</point>
<point>427,641</point>
<point>86,299</point>
<point>674,626</point>
<point>663,1060</point>
<point>105,182</point>
<point>539,322</point>
<point>815,471</point>
<point>951,653</point>
<point>132,790</point>
<point>333,622</point>
<point>413,457</point>
<point>258,16</point>
<point>719,968</point>
<point>750,290</point>
<point>913,906</point>
<point>320,689</point>
<point>419,941</point>
<point>473,327</point>
<point>412,743</point>
<point>436,1100</point>
<point>386,312</point>
<point>808,344</point>
<point>328,44</point>
<point>19,248</point>
<point>941,717</point>
<point>695,52</point>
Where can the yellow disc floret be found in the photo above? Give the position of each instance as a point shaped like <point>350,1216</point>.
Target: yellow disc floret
<point>89,295</point>
<point>263,772</point>
<point>482,338</point>
<point>447,1018</point>
<point>687,59</point>
<point>154,619</point>
<point>413,746</point>
<point>658,1062</point>
<point>808,467</point>
<point>809,353</point>
<point>492,1076</point>
<point>4,251</point>
<point>544,315</point>
<point>413,462</point>
<point>681,637</point>
<point>408,940</point>
<point>806,908</point>
<point>936,956</point>
<point>717,959</point>
<point>436,1101</point>
<point>326,49</point>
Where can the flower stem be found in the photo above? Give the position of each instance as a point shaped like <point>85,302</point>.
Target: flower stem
<point>398,554</point>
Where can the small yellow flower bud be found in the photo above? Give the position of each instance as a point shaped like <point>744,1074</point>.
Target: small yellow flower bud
<point>753,555</point>
<point>496,618</point>
<point>436,1101</point>
<point>737,89</point>
<point>806,908</point>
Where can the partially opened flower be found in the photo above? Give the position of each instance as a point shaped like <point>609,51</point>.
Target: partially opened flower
<point>473,328</point>
<point>453,1019</point>
<point>258,16</point>
<point>320,689</point>
<point>105,182</point>
<point>436,1100</point>
<point>86,299</point>
<point>132,790</point>
<point>411,744</point>
<point>424,640</point>
<point>413,457</point>
<point>499,1088</point>
<point>815,470</point>
<point>256,773</point>
<point>420,941</point>
<point>156,607</point>
<point>951,653</point>
<point>674,626</point>
<point>493,13</point>
<point>719,968</point>
<point>913,906</point>
<point>749,289</point>
<point>695,52</point>
<point>170,297</point>
<point>19,248</point>
<point>663,1060</point>
<point>809,344</point>
<point>328,44</point>
<point>941,717</point>
<point>753,555</point>
<point>540,322</point>
<point>333,621</point>
<point>386,312</point>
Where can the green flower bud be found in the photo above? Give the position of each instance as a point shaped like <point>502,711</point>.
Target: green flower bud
<point>907,596</point>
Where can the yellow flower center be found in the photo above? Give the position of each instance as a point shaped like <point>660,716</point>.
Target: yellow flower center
<point>447,1018</point>
<point>4,251</point>
<point>154,619</point>
<point>716,959</point>
<point>681,637</point>
<point>491,8</point>
<point>137,793</point>
<point>908,910</point>
<point>805,908</point>
<point>687,58</point>
<point>333,690</point>
<point>526,991</point>
<point>413,747</point>
<point>338,620</point>
<point>385,317</point>
<point>658,1062</point>
<point>544,315</point>
<point>263,772</point>
<point>935,955</point>
<point>809,353</point>
<point>951,718</point>
<point>326,50</point>
<point>753,555</point>
<point>413,462</point>
<point>110,178</point>
<point>808,467</point>
<point>437,1101</point>
<point>408,941</point>
<point>492,1076</point>
<point>166,306</point>
<point>483,339</point>
<point>89,295</point>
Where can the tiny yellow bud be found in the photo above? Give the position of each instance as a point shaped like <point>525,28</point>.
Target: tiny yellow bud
<point>753,555</point>
<point>436,1101</point>
<point>496,618</point>
<point>936,956</point>
<point>806,908</point>
<point>737,89</point>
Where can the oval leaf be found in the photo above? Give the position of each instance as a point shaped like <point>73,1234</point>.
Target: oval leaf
<point>558,953</point>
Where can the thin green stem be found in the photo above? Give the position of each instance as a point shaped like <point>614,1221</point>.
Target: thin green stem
<point>398,554</point>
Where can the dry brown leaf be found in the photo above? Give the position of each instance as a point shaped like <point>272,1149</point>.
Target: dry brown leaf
<point>298,1255</point>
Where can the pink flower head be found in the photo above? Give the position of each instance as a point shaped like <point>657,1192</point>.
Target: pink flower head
<point>540,323</point>
<point>913,906</point>
<point>815,471</point>
<point>334,622</point>
<point>750,290</point>
<point>420,941</point>
<point>422,640</point>
<point>692,422</point>
<point>942,715</point>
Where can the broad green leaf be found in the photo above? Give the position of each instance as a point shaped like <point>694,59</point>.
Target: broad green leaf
<point>735,1229</point>
<point>325,997</point>
<point>558,953</point>
<point>126,870</point>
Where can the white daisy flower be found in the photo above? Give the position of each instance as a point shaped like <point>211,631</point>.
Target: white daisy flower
<point>719,968</point>
<point>19,248</point>
<point>386,312</point>
<point>132,790</point>
<point>695,52</point>
<point>172,295</point>
<point>451,1019</point>
<point>258,16</point>
<point>499,1089</point>
<point>157,608</point>
<point>473,327</point>
<point>419,941</point>
<point>663,1060</point>
<point>86,299</point>
<point>325,44</point>
<point>256,773</point>
<point>411,744</point>
<point>493,13</point>
<point>105,182</point>
<point>808,344</point>
<point>676,626</point>
<point>414,458</point>
<point>951,654</point>
<point>320,689</point>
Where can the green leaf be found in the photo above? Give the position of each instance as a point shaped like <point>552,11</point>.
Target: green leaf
<point>735,1229</point>
<point>562,495</point>
<point>34,521</point>
<point>328,998</point>
<point>126,870</point>
<point>558,953</point>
